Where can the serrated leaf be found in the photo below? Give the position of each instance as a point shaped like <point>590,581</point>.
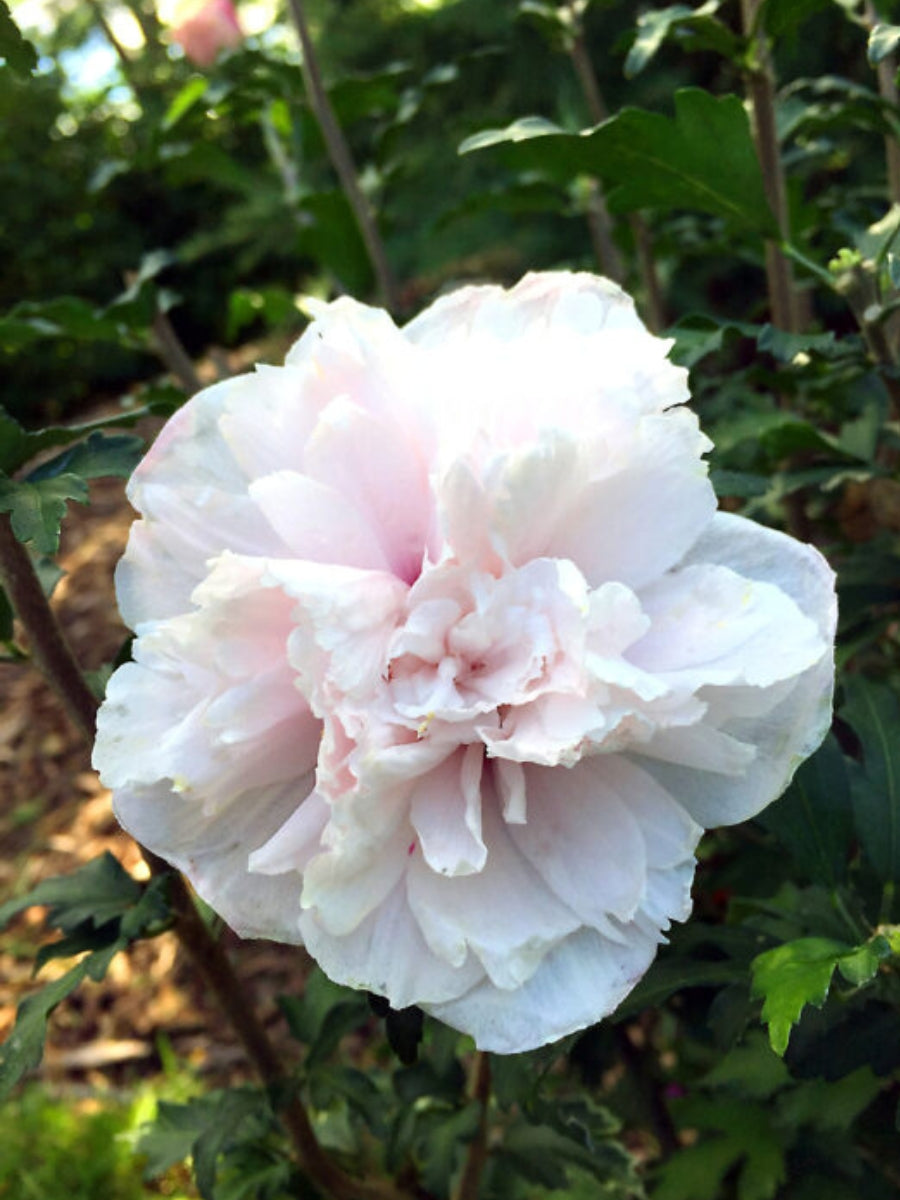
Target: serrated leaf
<point>791,976</point>
<point>701,159</point>
<point>745,1139</point>
<point>23,1049</point>
<point>323,1015</point>
<point>37,509</point>
<point>874,714</point>
<point>94,894</point>
<point>706,32</point>
<point>883,41</point>
<point>99,455</point>
<point>21,57</point>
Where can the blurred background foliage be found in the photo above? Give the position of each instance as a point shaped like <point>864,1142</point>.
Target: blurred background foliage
<point>759,1058</point>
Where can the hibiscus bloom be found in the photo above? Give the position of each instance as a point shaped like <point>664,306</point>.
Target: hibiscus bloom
<point>207,30</point>
<point>445,658</point>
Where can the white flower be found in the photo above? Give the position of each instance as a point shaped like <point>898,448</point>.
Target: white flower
<point>444,657</point>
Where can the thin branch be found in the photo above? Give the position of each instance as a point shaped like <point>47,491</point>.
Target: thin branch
<point>50,651</point>
<point>170,348</point>
<point>599,220</point>
<point>342,159</point>
<point>477,1155</point>
<point>760,83</point>
<point>886,74</point>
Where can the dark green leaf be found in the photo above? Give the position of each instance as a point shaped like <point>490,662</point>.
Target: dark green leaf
<point>883,41</point>
<point>873,712</point>
<point>37,509</point>
<point>19,445</point>
<point>744,1138</point>
<point>94,894</point>
<point>782,17</point>
<point>702,159</point>
<point>323,1015</point>
<point>702,31</point>
<point>99,455</point>
<point>21,57</point>
<point>814,817</point>
<point>23,1049</point>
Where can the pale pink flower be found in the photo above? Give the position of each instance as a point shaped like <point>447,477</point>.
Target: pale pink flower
<point>210,29</point>
<point>444,657</point>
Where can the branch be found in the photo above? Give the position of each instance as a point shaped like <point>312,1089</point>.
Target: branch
<point>342,159</point>
<point>50,651</point>
<point>599,221</point>
<point>886,73</point>
<point>478,1148</point>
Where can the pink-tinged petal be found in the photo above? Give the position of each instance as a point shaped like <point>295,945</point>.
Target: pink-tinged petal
<point>343,885</point>
<point>445,811</point>
<point>343,618</point>
<point>505,915</point>
<point>641,517</point>
<point>382,471</point>
<point>464,509</point>
<point>509,780</point>
<point>712,626</point>
<point>299,839</point>
<point>152,582</point>
<point>314,522</point>
<point>582,979</point>
<point>292,401</point>
<point>386,954</point>
<point>584,842</point>
<point>789,730</point>
<point>212,850</point>
<point>702,746</point>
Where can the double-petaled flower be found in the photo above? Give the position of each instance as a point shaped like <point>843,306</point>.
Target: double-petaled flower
<point>445,658</point>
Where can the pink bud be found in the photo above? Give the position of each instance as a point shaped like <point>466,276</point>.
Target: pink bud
<point>212,28</point>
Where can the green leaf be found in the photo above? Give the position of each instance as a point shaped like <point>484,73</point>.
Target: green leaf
<point>37,509</point>
<point>23,1049</point>
<point>883,41</point>
<point>702,159</point>
<point>873,712</point>
<point>745,1138</point>
<point>94,894</point>
<point>21,57</point>
<point>703,32</point>
<point>184,100</point>
<point>99,455</point>
<point>783,17</point>
<point>323,1015</point>
<point>791,976</point>
<point>814,817</point>
<point>19,445</point>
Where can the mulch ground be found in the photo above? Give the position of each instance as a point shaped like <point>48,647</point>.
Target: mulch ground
<point>55,816</point>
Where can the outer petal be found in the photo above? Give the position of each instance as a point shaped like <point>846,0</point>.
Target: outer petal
<point>583,978</point>
<point>505,914</point>
<point>788,732</point>
<point>387,954</point>
<point>213,851</point>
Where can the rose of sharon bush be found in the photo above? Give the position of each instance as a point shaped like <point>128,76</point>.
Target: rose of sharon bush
<point>444,657</point>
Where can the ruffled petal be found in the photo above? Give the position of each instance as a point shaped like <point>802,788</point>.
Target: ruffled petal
<point>581,980</point>
<point>525,918</point>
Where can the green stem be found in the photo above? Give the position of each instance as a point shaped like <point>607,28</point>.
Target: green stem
<point>342,159</point>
